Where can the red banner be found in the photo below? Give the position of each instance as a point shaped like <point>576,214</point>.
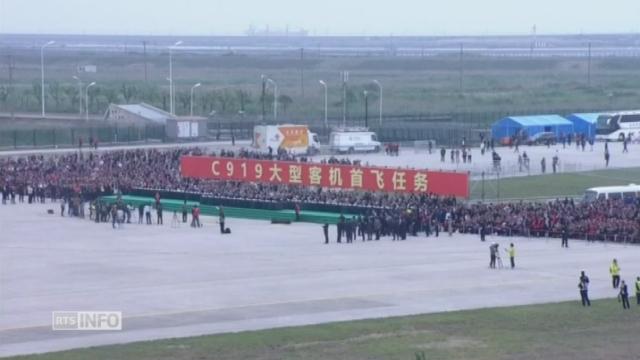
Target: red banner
<point>327,175</point>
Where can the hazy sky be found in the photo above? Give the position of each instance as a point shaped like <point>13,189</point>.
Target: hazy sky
<point>320,17</point>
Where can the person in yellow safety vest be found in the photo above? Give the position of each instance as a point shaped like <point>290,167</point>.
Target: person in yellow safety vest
<point>512,255</point>
<point>638,290</point>
<point>614,270</point>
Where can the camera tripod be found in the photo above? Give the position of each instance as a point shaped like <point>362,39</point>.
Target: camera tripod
<point>499,261</point>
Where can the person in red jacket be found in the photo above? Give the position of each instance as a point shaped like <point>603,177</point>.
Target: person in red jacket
<point>195,216</point>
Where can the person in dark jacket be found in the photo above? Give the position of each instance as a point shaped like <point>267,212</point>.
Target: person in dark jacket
<point>140,213</point>
<point>583,285</point>
<point>221,218</point>
<point>185,211</point>
<point>623,296</point>
<point>493,254</point>
<point>159,213</point>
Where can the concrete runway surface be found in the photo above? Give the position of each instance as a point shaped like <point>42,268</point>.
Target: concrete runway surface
<point>175,282</point>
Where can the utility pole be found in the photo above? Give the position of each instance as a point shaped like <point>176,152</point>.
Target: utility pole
<point>144,51</point>
<point>302,71</point>
<point>366,109</point>
<point>264,85</point>
<point>589,65</point>
<point>345,78</point>
<point>461,65</point>
<point>534,40</point>
<point>10,89</point>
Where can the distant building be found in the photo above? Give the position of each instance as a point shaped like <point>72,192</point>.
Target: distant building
<point>252,31</point>
<point>141,115</point>
<point>87,69</point>
<point>137,114</point>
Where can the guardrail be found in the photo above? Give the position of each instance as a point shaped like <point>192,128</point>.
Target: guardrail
<point>70,137</point>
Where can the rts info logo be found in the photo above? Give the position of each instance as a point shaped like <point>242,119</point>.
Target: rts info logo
<point>87,320</point>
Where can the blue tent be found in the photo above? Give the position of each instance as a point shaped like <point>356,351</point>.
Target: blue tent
<point>530,125</point>
<point>584,123</point>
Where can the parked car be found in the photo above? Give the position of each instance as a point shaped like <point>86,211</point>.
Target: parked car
<point>543,138</point>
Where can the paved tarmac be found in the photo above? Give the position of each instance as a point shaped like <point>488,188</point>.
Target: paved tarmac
<point>570,159</point>
<point>175,282</point>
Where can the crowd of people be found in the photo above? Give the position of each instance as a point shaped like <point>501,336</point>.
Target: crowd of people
<point>81,177</point>
<point>608,220</point>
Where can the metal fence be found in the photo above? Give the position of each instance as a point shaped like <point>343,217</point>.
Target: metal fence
<point>15,139</point>
<point>447,134</point>
<point>447,129</point>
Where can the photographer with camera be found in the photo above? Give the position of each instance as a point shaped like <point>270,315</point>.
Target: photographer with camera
<point>493,254</point>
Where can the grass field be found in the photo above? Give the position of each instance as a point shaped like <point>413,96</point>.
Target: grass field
<point>566,184</point>
<point>551,331</point>
<point>412,86</point>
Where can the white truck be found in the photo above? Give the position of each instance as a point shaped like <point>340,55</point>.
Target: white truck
<point>353,140</point>
<point>295,139</point>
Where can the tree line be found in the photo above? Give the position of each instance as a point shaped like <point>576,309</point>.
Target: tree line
<point>67,98</point>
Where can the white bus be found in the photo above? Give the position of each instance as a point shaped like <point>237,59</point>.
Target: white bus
<point>618,126</point>
<point>627,192</point>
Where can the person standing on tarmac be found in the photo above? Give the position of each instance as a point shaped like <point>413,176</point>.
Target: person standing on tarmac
<point>512,255</point>
<point>638,290</point>
<point>583,285</point>
<point>184,209</point>
<point>325,230</point>
<point>448,220</point>
<point>221,219</point>
<point>436,227</point>
<point>565,237</point>
<point>340,228</point>
<point>624,295</point>
<point>147,213</point>
<point>159,213</point>
<point>493,249</point>
<point>614,270</point>
<point>140,213</point>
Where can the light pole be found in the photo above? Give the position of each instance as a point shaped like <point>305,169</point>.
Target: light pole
<point>366,108</point>
<point>42,72</point>
<point>79,95</point>
<point>264,86</point>
<point>164,104</point>
<point>275,99</point>
<point>345,79</point>
<point>380,104</point>
<point>324,84</point>
<point>171,91</point>
<point>212,115</point>
<point>86,98</point>
<point>191,102</point>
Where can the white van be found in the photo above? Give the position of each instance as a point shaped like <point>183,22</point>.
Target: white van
<point>627,192</point>
<point>350,141</point>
